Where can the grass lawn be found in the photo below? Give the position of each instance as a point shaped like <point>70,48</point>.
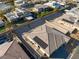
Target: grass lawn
<point>2,29</point>
<point>42,14</point>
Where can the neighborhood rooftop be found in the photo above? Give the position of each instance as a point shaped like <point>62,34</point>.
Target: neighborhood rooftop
<point>15,52</point>
<point>39,29</point>
<point>50,40</point>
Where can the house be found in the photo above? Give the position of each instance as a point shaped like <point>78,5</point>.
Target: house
<point>24,14</point>
<point>44,41</point>
<point>19,14</point>
<point>54,4</point>
<point>37,1</point>
<point>40,8</point>
<point>71,1</point>
<point>13,50</point>
<point>4,8</point>
<point>2,23</point>
<point>71,19</point>
<point>74,11</point>
<point>66,1</point>
<point>60,0</point>
<point>11,17</point>
<point>73,14</point>
<point>6,1</point>
<point>19,3</point>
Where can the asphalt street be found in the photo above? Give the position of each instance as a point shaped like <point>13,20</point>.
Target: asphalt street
<point>37,22</point>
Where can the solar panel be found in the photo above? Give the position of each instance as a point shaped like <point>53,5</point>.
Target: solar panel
<point>40,42</point>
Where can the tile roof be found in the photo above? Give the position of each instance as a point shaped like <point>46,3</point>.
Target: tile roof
<point>56,39</point>
<point>15,52</point>
<point>71,19</point>
<point>38,6</point>
<point>11,16</point>
<point>4,6</point>
<point>52,38</point>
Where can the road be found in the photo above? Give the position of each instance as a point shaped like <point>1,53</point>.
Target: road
<point>37,22</point>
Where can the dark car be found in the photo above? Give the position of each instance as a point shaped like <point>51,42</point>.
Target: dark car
<point>3,39</point>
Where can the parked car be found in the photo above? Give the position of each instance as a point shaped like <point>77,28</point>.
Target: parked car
<point>3,39</point>
<point>29,18</point>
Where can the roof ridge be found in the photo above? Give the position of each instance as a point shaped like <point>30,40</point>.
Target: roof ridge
<point>9,47</point>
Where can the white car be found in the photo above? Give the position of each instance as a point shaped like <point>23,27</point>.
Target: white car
<point>29,18</point>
